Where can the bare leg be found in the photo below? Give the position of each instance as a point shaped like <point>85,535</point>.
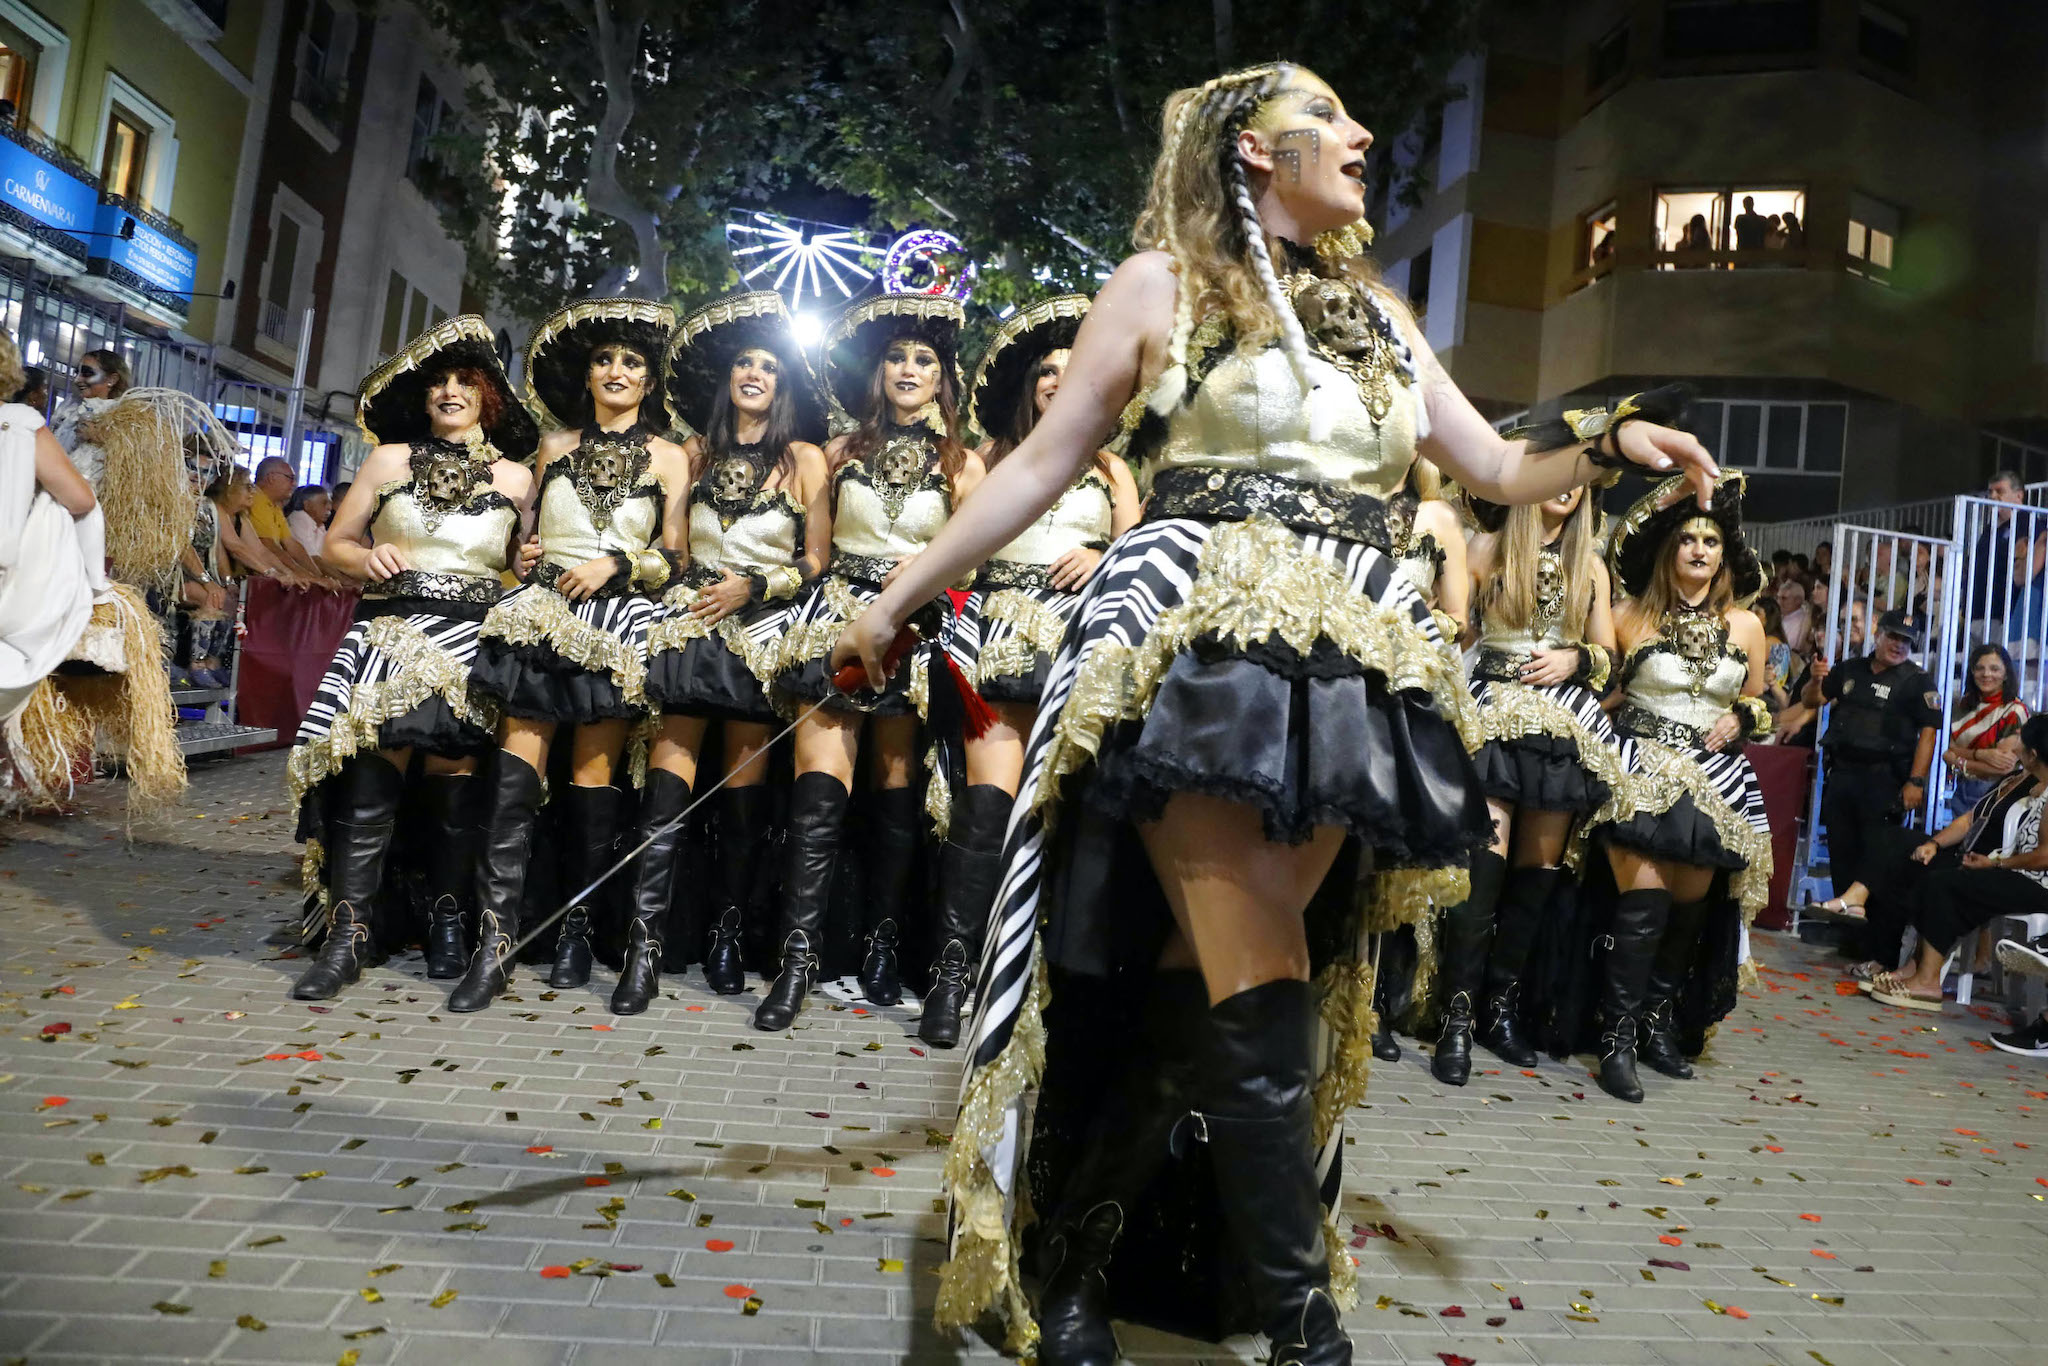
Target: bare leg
<point>996,759</point>
<point>746,754</point>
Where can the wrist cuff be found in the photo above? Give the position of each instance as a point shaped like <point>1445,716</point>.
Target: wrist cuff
<point>1755,715</point>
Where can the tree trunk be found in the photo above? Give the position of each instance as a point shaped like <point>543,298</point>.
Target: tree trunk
<point>960,37</point>
<point>1225,48</point>
<point>618,47</point>
<point>1112,22</point>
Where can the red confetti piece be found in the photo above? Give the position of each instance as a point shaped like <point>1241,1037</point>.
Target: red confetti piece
<point>52,1102</point>
<point>1916,1181</point>
<point>1670,1266</point>
<point>275,1057</point>
<point>1968,1133</point>
<point>602,1029</point>
<point>1822,1253</point>
<point>1670,1241</point>
<point>597,1181</point>
<point>1736,1311</point>
<point>738,1292</point>
<point>1941,1182</point>
<point>718,1244</point>
<point>698,1009</point>
<point>542,1148</point>
<point>1811,1218</point>
<point>1514,1301</point>
<point>918,1051</point>
<point>310,1055</point>
<point>61,1027</point>
<point>846,1223</point>
<point>819,1114</point>
<point>554,1273</point>
<point>1772,1148</point>
<point>69,991</point>
<point>1496,1322</point>
<point>1453,1359</point>
<point>1454,1312</point>
<point>882,1171</point>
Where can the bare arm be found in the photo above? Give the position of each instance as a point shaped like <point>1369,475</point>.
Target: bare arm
<point>1600,615</point>
<point>1454,583</point>
<point>59,477</point>
<point>672,468</point>
<point>347,550</point>
<point>814,491</point>
<point>1124,509</point>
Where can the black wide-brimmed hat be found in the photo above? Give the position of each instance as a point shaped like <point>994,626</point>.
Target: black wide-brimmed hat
<point>558,357</point>
<point>1639,540</point>
<point>857,337</point>
<point>391,406</point>
<point>700,357</point>
<point>1025,338</point>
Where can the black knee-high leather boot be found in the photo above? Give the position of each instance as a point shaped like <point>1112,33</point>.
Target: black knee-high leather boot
<point>500,881</point>
<point>593,828</point>
<point>665,797</point>
<point>742,833</point>
<point>451,870</point>
<point>1633,936</point>
<point>893,817</point>
<point>1515,924</point>
<point>1127,1143</point>
<point>367,794</point>
<point>1467,936</point>
<point>970,865</point>
<point>1258,1115</point>
<point>1659,1046</point>
<point>817,814</point>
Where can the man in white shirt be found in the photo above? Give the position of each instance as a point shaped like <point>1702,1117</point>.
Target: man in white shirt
<point>308,519</point>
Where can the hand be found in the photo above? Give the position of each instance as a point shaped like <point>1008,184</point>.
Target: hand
<point>1072,569</point>
<point>529,555</point>
<point>1926,852</point>
<point>383,561</point>
<point>1821,668</point>
<point>587,578</point>
<point>216,598</point>
<point>1546,667</point>
<point>717,601</point>
<point>867,640</point>
<point>1911,795</point>
<point>1667,450</point>
<point>900,566</point>
<point>1955,756</point>
<point>2000,760</point>
<point>1977,861</point>
<point>1724,731</point>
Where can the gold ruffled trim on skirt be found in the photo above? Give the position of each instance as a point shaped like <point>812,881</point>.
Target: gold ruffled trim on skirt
<point>1036,629</point>
<point>422,670</point>
<point>540,616</point>
<point>1665,775</point>
<point>814,638</point>
<point>1254,582</point>
<point>983,1267</point>
<point>672,632</point>
<point>1515,711</point>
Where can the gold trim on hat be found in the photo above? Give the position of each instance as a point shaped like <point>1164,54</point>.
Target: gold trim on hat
<point>645,311</point>
<point>1062,308</point>
<point>419,351</point>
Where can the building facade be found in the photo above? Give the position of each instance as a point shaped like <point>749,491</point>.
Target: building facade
<point>1831,216</point>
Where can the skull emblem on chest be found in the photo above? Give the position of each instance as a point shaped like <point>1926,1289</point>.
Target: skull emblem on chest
<point>605,469</point>
<point>1332,312</point>
<point>732,482</point>
<point>1549,585</point>
<point>1697,639</point>
<point>447,480</point>
<point>901,463</point>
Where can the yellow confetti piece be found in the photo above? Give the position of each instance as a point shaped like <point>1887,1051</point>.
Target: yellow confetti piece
<point>683,1195</point>
<point>166,1307</point>
<point>753,1304</point>
<point>130,1004</point>
<point>359,1334</point>
<point>31,1189</point>
<point>1672,1180</point>
<point>216,1270</point>
<point>313,1175</point>
<point>371,1295</point>
<point>652,1124</point>
<point>96,1159</point>
<point>1818,1357</point>
<point>159,1173</point>
<point>664,1280</point>
<point>442,1300</point>
<point>386,1269</point>
<point>405,1181</point>
<point>1829,1299</point>
<point>250,1171</point>
<point>473,1226</point>
<point>266,1242</point>
<point>890,1264</point>
<point>251,1322</point>
<point>348,1358</point>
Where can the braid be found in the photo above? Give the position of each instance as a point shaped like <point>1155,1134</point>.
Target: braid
<point>1295,340</point>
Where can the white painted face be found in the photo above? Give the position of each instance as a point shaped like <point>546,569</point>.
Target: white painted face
<point>618,377</point>
<point>910,375</point>
<point>453,406</point>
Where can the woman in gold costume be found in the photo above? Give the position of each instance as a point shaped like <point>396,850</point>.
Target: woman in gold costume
<point>429,524</point>
<point>1248,684</point>
<point>896,478</point>
<point>569,646</point>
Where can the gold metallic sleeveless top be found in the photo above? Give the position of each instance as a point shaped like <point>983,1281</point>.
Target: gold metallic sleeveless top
<point>600,498</point>
<point>890,505</point>
<point>452,526</point>
<point>1686,677</point>
<point>1545,628</point>
<point>737,523</point>
<point>1080,517</point>
<point>1417,558</point>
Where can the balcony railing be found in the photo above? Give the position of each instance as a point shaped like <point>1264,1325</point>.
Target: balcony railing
<point>278,323</point>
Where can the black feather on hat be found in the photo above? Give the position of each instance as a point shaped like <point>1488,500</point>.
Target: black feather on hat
<point>391,406</point>
<point>1639,540</point>
<point>558,357</point>
<point>700,357</point>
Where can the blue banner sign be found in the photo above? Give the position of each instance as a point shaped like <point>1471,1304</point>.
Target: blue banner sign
<point>43,192</point>
<point>161,260</point>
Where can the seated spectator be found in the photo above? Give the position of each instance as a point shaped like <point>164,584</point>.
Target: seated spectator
<point>1795,617</point>
<point>1823,563</point>
<point>340,492</point>
<point>307,515</point>
<point>1984,738</point>
<point>1778,657</point>
<point>1781,566</point>
<point>232,495</point>
<point>274,488</point>
<point>2003,872</point>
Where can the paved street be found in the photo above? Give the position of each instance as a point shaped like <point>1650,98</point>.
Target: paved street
<point>197,1168</point>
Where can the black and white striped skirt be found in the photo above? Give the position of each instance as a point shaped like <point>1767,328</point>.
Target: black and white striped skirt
<point>545,658</point>
<point>805,675</point>
<point>1004,640</point>
<point>1700,808</point>
<point>1300,675</point>
<point>1547,748</point>
<point>723,671</point>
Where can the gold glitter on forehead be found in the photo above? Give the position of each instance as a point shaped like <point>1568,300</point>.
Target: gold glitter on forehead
<point>1701,526</point>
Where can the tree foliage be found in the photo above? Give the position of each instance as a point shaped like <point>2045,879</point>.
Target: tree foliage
<point>627,130</point>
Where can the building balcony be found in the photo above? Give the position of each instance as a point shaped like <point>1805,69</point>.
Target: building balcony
<point>142,259</point>
<point>48,202</point>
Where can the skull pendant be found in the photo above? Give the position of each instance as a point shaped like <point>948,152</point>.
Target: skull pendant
<point>901,463</point>
<point>1332,312</point>
<point>606,470</point>
<point>1549,585</point>
<point>732,482</point>
<point>447,480</point>
<point>1695,639</point>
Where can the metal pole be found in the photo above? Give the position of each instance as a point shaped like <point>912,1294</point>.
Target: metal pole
<point>295,402</point>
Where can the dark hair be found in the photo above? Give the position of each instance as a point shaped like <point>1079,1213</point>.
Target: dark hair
<point>302,495</point>
<point>1911,529</point>
<point>1767,612</point>
<point>490,400</point>
<point>586,406</point>
<point>33,377</point>
<point>868,437</point>
<point>721,430</point>
<point>1828,546</point>
<point>1025,417</point>
<point>2007,693</point>
<point>1801,563</point>
<point>340,491</point>
<point>1781,556</point>
<point>2034,733</point>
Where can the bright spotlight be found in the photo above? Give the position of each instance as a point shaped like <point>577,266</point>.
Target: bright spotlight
<point>809,329</point>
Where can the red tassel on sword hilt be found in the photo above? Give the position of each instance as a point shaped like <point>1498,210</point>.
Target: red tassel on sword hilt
<point>977,717</point>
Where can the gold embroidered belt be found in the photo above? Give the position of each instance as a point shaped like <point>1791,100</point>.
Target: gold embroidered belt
<point>547,574</point>
<point>1645,724</point>
<point>1237,495</point>
<point>862,569</point>
<point>429,583</point>
<point>1013,574</point>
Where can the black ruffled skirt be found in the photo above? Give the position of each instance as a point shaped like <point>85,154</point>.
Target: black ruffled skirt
<point>806,673</point>
<point>545,658</point>
<point>1550,748</point>
<point>722,672</point>
<point>1004,640</point>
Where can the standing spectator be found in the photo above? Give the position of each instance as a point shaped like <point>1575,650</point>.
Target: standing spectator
<point>1781,566</point>
<point>1774,234</point>
<point>1795,232</point>
<point>1697,237</point>
<point>1796,617</point>
<point>274,488</point>
<point>1824,562</point>
<point>1989,590</point>
<point>307,515</point>
<point>1879,741</point>
<point>1984,741</point>
<point>1751,227</point>
<point>35,389</point>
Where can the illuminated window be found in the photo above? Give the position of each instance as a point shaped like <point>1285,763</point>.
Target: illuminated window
<point>1596,239</point>
<point>1608,59</point>
<point>18,58</point>
<point>1873,232</point>
<point>1750,221</point>
<point>127,154</point>
<point>1885,38</point>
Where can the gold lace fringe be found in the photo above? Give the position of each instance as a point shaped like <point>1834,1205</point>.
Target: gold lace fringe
<point>938,797</point>
<point>1254,582</point>
<point>1037,629</point>
<point>421,670</point>
<point>677,628</point>
<point>1515,711</point>
<point>1664,776</point>
<point>541,616</point>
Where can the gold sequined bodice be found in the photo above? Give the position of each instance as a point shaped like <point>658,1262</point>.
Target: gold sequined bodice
<point>767,535</point>
<point>1689,672</point>
<point>599,498</point>
<point>1081,517</point>
<point>445,517</point>
<point>1545,628</point>
<point>890,505</point>
<point>1247,413</point>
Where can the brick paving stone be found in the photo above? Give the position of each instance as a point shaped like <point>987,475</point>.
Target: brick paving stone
<point>1537,1186</point>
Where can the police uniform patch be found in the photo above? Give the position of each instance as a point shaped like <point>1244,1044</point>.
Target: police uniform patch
<point>1848,686</point>
<point>1933,701</point>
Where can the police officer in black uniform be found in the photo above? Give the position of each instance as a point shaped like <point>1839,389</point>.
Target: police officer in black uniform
<point>1879,741</point>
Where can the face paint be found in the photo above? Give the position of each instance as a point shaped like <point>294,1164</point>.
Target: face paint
<point>1291,157</point>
